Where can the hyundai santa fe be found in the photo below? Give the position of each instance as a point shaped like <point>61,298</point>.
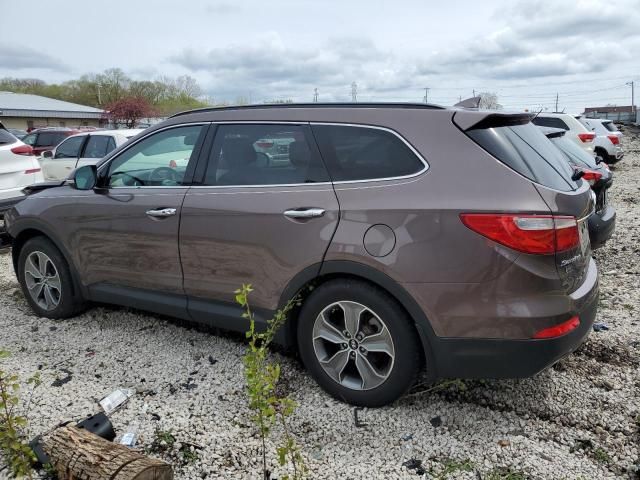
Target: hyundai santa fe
<point>417,237</point>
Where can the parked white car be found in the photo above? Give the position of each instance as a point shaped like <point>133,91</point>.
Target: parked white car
<point>608,142</point>
<point>576,131</point>
<point>19,168</point>
<point>82,149</point>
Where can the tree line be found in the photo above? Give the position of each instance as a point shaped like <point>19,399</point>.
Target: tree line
<point>166,95</point>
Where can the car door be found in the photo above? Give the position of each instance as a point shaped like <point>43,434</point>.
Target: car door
<point>63,158</point>
<point>96,147</point>
<point>254,220</point>
<point>125,242</point>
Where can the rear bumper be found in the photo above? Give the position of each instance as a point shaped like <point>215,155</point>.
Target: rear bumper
<point>601,226</point>
<point>511,358</point>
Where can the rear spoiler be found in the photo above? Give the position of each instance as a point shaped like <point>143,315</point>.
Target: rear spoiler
<point>467,120</point>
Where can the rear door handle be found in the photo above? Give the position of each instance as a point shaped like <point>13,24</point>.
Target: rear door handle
<point>304,213</point>
<point>162,212</point>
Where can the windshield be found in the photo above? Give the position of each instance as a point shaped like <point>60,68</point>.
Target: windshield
<point>525,149</point>
<point>575,155</point>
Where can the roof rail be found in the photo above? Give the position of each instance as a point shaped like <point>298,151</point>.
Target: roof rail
<point>428,106</point>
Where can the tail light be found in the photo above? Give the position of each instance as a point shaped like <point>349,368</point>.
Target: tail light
<point>591,176</point>
<point>614,139</point>
<point>534,234</point>
<point>587,137</point>
<point>23,150</point>
<point>559,330</point>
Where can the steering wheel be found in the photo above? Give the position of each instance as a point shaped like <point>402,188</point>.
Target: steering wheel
<point>161,174</point>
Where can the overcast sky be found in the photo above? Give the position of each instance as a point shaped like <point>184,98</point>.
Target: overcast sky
<point>526,51</point>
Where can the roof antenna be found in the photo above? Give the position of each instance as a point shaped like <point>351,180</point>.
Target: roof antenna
<point>536,115</point>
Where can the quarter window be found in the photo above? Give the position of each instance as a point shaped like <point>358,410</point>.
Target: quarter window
<point>70,148</point>
<point>159,160</point>
<point>364,153</point>
<point>264,155</point>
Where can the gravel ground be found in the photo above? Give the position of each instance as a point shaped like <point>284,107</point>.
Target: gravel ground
<point>580,419</point>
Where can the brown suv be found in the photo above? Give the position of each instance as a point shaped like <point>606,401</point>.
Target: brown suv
<point>419,237</point>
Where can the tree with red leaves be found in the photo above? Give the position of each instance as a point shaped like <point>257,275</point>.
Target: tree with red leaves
<point>128,111</point>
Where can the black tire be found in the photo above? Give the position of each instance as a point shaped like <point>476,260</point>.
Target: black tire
<point>407,348</point>
<point>68,302</point>
<point>605,156</point>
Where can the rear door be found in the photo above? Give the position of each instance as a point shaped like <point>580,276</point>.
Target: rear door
<point>263,212</point>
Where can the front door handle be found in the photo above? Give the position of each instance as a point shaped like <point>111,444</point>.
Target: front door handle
<point>304,213</point>
<point>162,212</point>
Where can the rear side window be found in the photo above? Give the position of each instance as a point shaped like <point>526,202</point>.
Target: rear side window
<point>263,155</point>
<point>551,122</point>
<point>6,138</point>
<point>525,149</point>
<point>97,146</point>
<point>364,153</point>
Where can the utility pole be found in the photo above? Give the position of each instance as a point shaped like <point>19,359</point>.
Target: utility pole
<point>426,94</point>
<point>315,95</point>
<point>633,100</point>
<point>556,102</point>
<point>474,92</point>
<point>354,92</point>
<point>99,95</point>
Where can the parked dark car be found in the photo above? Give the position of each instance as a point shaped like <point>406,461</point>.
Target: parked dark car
<point>417,236</point>
<point>46,139</point>
<point>596,173</point>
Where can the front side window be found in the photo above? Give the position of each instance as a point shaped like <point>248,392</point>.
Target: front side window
<point>263,155</point>
<point>158,160</point>
<point>364,153</point>
<point>97,146</point>
<point>70,148</point>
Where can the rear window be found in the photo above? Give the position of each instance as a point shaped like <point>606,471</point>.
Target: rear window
<point>576,155</point>
<point>525,149</point>
<point>364,153</point>
<point>551,122</point>
<point>6,138</point>
<point>610,126</point>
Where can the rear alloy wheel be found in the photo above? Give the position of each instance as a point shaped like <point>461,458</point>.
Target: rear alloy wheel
<point>46,280</point>
<point>358,343</point>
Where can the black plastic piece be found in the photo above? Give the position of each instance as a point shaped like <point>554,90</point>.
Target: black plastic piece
<point>100,425</point>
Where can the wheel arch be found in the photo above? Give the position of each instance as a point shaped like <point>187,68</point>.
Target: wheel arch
<point>315,275</point>
<point>24,232</point>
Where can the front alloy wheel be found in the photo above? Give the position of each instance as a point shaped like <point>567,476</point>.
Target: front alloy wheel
<point>42,280</point>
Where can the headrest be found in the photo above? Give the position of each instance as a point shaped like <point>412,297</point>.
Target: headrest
<point>299,154</point>
<point>238,152</point>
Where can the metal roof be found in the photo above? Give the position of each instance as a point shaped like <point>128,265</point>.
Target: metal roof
<point>26,105</point>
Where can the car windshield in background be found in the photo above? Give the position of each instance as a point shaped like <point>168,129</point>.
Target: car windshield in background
<point>6,138</point>
<point>525,149</point>
<point>576,155</point>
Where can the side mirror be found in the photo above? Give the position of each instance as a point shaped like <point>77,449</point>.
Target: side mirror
<point>85,177</point>
<point>47,154</point>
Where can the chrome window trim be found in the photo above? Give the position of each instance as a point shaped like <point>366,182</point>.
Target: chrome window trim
<point>284,122</point>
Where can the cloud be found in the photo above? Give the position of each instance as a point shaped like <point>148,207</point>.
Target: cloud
<point>20,58</point>
<point>222,8</point>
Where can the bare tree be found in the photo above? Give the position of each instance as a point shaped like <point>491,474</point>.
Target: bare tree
<point>489,101</point>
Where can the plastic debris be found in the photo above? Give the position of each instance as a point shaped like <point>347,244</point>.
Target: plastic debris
<point>600,327</point>
<point>130,437</point>
<point>359,423</point>
<point>116,399</point>
<point>415,464</point>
